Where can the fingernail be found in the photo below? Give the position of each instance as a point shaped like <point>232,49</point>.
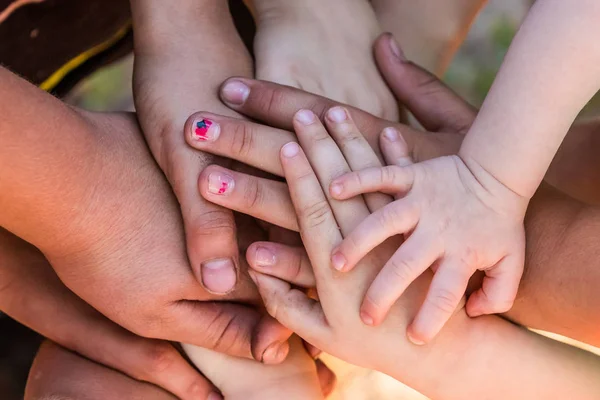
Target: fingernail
<point>414,340</point>
<point>396,50</point>
<point>206,130</point>
<point>391,134</point>
<point>366,318</point>
<point>264,257</point>
<point>337,114</point>
<point>336,189</point>
<point>219,276</point>
<point>220,183</point>
<point>214,396</point>
<point>290,150</point>
<point>305,117</point>
<point>235,92</point>
<point>275,353</point>
<point>338,260</point>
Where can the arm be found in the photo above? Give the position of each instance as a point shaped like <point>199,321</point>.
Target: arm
<point>548,75</point>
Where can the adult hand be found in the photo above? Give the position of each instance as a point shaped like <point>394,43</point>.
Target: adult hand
<point>33,295</point>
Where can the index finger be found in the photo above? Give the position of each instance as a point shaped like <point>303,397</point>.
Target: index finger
<point>275,105</point>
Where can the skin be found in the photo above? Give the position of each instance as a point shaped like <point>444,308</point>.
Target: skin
<point>302,44</point>
<point>553,217</point>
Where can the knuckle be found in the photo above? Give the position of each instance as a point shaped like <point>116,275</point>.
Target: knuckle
<point>158,357</point>
<point>444,300</point>
<point>243,139</point>
<point>224,332</point>
<point>214,222</point>
<point>270,100</point>
<point>316,214</point>
<point>401,268</point>
<point>253,194</point>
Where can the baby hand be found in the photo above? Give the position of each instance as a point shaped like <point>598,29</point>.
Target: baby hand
<point>456,218</point>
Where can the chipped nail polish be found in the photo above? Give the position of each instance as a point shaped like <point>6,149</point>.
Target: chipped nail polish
<point>220,183</point>
<point>206,130</point>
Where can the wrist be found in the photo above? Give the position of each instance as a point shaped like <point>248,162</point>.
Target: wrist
<point>159,26</point>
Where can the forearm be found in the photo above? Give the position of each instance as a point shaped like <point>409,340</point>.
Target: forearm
<point>575,169</point>
<point>488,357</point>
<point>541,87</point>
<point>48,155</point>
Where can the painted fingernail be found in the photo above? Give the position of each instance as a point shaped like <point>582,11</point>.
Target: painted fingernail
<point>214,396</point>
<point>264,257</point>
<point>339,261</point>
<point>290,150</point>
<point>235,92</point>
<point>336,189</point>
<point>366,318</point>
<point>391,134</point>
<point>414,340</point>
<point>206,130</point>
<point>305,117</point>
<point>219,276</point>
<point>396,50</point>
<point>220,184</point>
<point>337,114</point>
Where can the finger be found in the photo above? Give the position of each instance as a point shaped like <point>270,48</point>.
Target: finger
<point>290,264</point>
<point>498,289</point>
<point>328,163</point>
<point>394,148</point>
<point>316,221</point>
<point>276,105</point>
<point>261,198</point>
<point>58,373</point>
<point>413,257</point>
<point>396,218</point>
<point>56,313</point>
<point>434,105</point>
<point>292,308</point>
<point>327,378</point>
<point>247,142</point>
<point>445,293</point>
<point>355,148</point>
<point>390,179</point>
<point>270,341</point>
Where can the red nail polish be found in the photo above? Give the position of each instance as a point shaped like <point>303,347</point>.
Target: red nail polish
<point>220,183</point>
<point>206,130</point>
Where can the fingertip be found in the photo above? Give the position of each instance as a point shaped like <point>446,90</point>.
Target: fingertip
<point>336,189</point>
<point>234,92</point>
<point>339,261</point>
<point>414,337</point>
<point>366,318</point>
<point>290,150</point>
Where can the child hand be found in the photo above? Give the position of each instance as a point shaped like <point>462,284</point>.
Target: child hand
<point>456,218</point>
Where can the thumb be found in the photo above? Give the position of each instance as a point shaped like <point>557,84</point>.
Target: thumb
<point>433,103</point>
<point>498,289</point>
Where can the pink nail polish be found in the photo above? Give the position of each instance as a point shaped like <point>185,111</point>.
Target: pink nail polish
<point>206,130</point>
<point>220,183</point>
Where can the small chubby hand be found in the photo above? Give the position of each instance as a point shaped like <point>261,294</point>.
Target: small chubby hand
<point>456,219</point>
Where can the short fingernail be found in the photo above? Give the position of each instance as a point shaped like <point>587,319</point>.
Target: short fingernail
<point>220,183</point>
<point>275,353</point>
<point>235,92</point>
<point>290,150</point>
<point>265,257</point>
<point>337,114</point>
<point>336,189</point>
<point>366,318</point>
<point>414,340</point>
<point>219,276</point>
<point>206,130</point>
<point>214,396</point>
<point>305,117</point>
<point>339,261</point>
<point>396,50</point>
<point>391,134</point>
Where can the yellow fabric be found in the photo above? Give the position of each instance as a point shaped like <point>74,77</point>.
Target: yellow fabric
<point>72,64</point>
